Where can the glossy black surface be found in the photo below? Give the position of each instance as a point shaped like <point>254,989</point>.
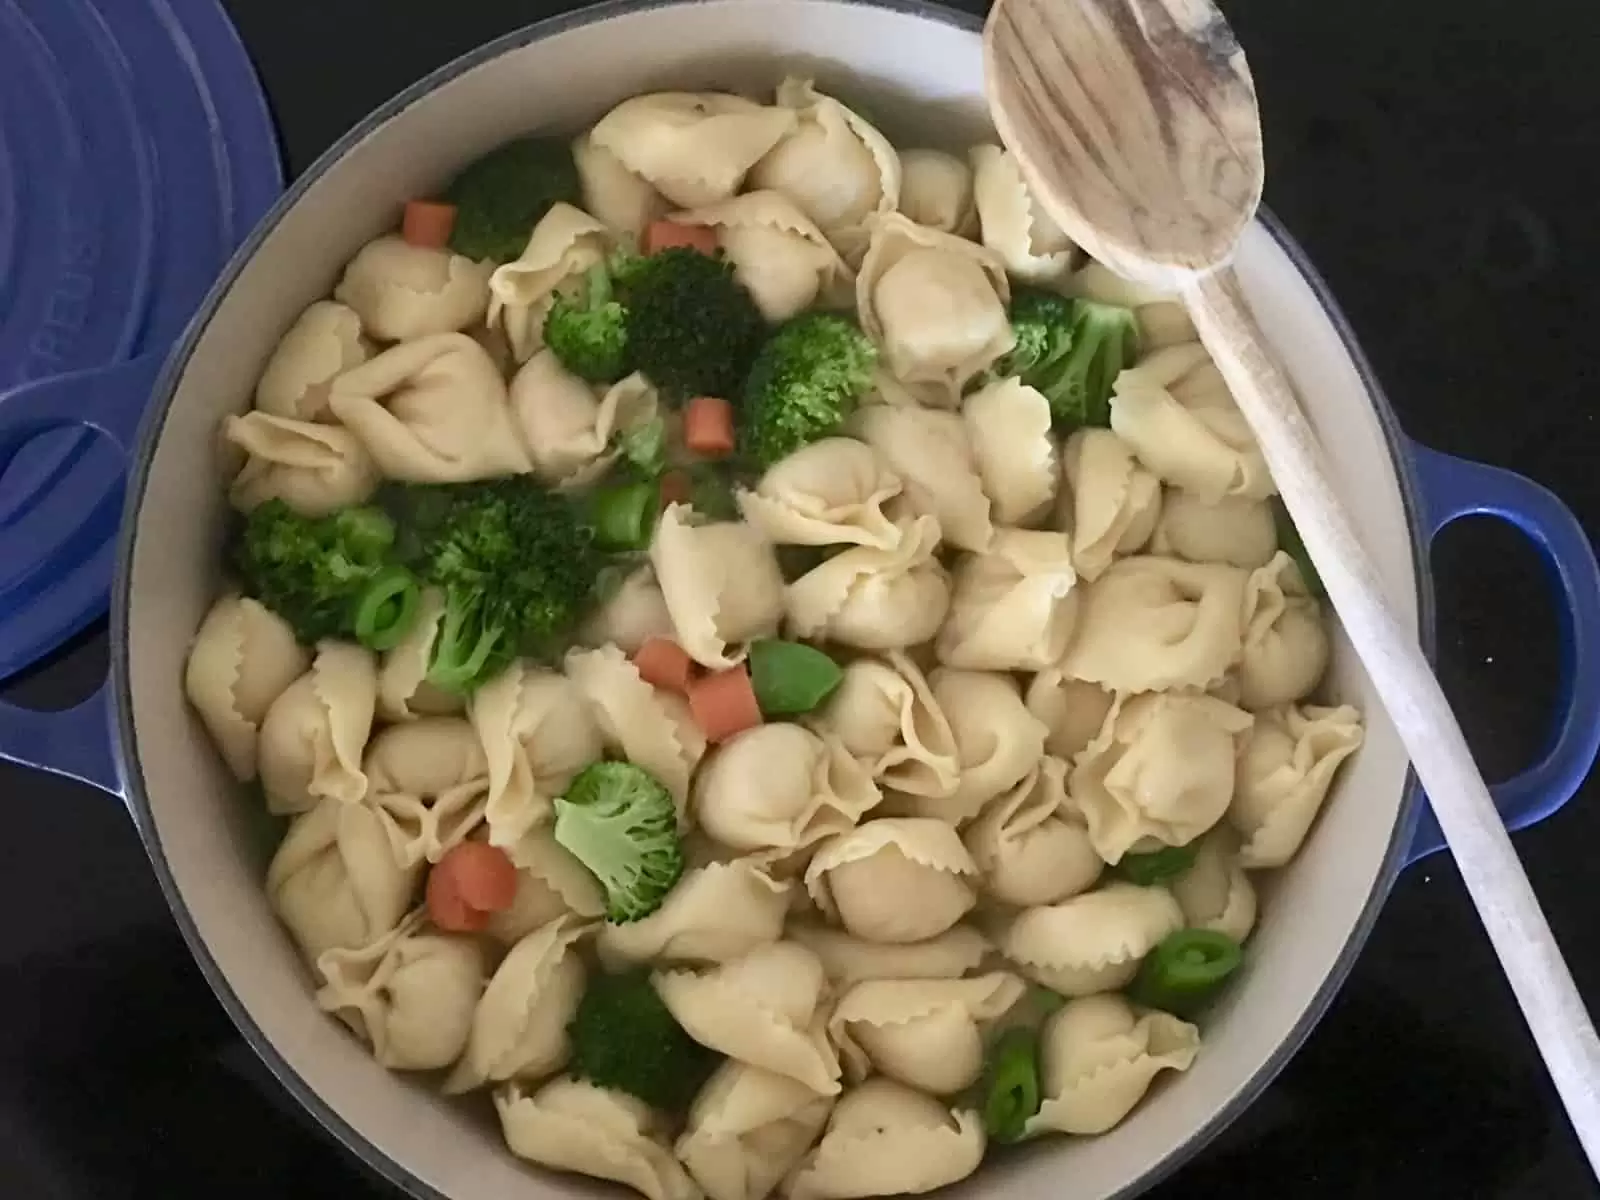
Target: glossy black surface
<point>1432,158</point>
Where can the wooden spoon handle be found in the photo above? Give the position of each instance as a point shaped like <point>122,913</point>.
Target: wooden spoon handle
<point>1416,704</point>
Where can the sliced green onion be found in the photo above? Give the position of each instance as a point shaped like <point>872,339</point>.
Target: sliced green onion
<point>1186,971</point>
<point>790,678</point>
<point>1011,1094</point>
<point>386,609</point>
<point>624,515</point>
<point>1156,866</point>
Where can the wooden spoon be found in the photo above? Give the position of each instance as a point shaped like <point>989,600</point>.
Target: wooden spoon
<point>1135,124</point>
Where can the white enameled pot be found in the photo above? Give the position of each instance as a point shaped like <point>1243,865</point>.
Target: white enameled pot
<point>917,69</point>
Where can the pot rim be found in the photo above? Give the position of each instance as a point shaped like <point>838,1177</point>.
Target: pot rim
<point>390,1168</point>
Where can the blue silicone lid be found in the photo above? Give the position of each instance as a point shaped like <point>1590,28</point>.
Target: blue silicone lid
<point>136,152</point>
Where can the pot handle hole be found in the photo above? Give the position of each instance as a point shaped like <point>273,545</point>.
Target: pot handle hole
<point>42,546</point>
<point>1451,488</point>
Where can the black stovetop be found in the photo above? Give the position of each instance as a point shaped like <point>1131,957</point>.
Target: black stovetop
<point>1432,157</point>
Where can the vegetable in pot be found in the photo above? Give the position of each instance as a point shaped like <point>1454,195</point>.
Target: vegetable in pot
<point>470,883</point>
<point>1071,351</point>
<point>1157,866</point>
<point>624,515</point>
<point>516,565</point>
<point>1289,539</point>
<point>620,822</point>
<point>804,384</point>
<point>329,576</point>
<point>624,1037</point>
<point>1185,971</point>
<point>588,330</point>
<point>502,196</point>
<point>724,704</point>
<point>1011,1085</point>
<point>790,678</point>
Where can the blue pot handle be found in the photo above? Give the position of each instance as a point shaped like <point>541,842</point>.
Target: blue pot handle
<point>74,569</point>
<point>1451,488</point>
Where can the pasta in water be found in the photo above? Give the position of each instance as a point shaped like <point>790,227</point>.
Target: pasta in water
<point>763,1009</point>
<point>934,303</point>
<point>1092,942</point>
<point>403,292</point>
<point>565,244</point>
<point>1014,607</point>
<point>861,684</point>
<point>335,882</point>
<point>570,1125</point>
<point>431,781</point>
<point>932,454</point>
<point>1179,417</point>
<point>409,995</point>
<point>781,787</point>
<point>721,584</point>
<point>324,341</point>
<point>634,614</point>
<point>551,883</point>
<point>833,164</point>
<point>1032,844</point>
<point>244,657</point>
<point>621,200</point>
<point>1285,645</point>
<point>1073,710</point>
<point>1287,766</point>
<point>778,253</point>
<point>936,191</point>
<point>1216,893</point>
<point>1109,503</point>
<point>536,733</point>
<point>830,492</point>
<point>432,411</point>
<point>313,735</point>
<point>1233,530</point>
<point>885,714</point>
<point>924,1033</point>
<point>404,692</point>
<point>1162,769</point>
<point>874,599</point>
<point>885,1139</point>
<point>1153,623</point>
<point>747,1128</point>
<point>1100,1059</point>
<point>896,879</point>
<point>1029,243</point>
<point>1008,425</point>
<point>848,959</point>
<point>997,740</point>
<point>693,147</point>
<point>519,1028</point>
<point>645,725</point>
<point>315,469</point>
<point>717,912</point>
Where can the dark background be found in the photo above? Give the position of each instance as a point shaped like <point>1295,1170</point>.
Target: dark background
<point>1432,159</point>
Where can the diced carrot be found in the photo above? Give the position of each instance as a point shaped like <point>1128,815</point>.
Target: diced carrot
<point>662,663</point>
<point>708,427</point>
<point>724,704</point>
<point>676,488</point>
<point>471,881</point>
<point>428,224</point>
<point>669,235</point>
<point>447,909</point>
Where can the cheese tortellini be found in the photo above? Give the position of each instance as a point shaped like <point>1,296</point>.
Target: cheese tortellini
<point>1032,844</point>
<point>313,734</point>
<point>1012,224</point>
<point>314,468</point>
<point>721,584</point>
<point>570,428</point>
<point>1285,648</point>
<point>324,341</point>
<point>936,191</point>
<point>884,713</point>
<point>747,1128</point>
<point>875,599</point>
<point>896,879</point>
<point>1233,530</point>
<point>1109,503</point>
<point>931,452</point>
<point>831,492</point>
<point>1014,607</point>
<point>431,781</point>
<point>566,243</point>
<point>1008,424</point>
<point>1285,771</point>
<point>403,292</point>
<point>243,658</point>
<point>716,912</point>
<point>1092,942</point>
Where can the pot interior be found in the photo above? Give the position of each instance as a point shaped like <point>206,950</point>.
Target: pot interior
<point>919,72</point>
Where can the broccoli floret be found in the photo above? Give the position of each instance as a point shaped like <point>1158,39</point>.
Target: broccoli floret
<point>624,1037</point>
<point>516,566</point>
<point>692,328</point>
<point>1071,351</point>
<point>588,332</point>
<point>314,571</point>
<point>620,822</point>
<point>806,381</point>
<point>502,196</point>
